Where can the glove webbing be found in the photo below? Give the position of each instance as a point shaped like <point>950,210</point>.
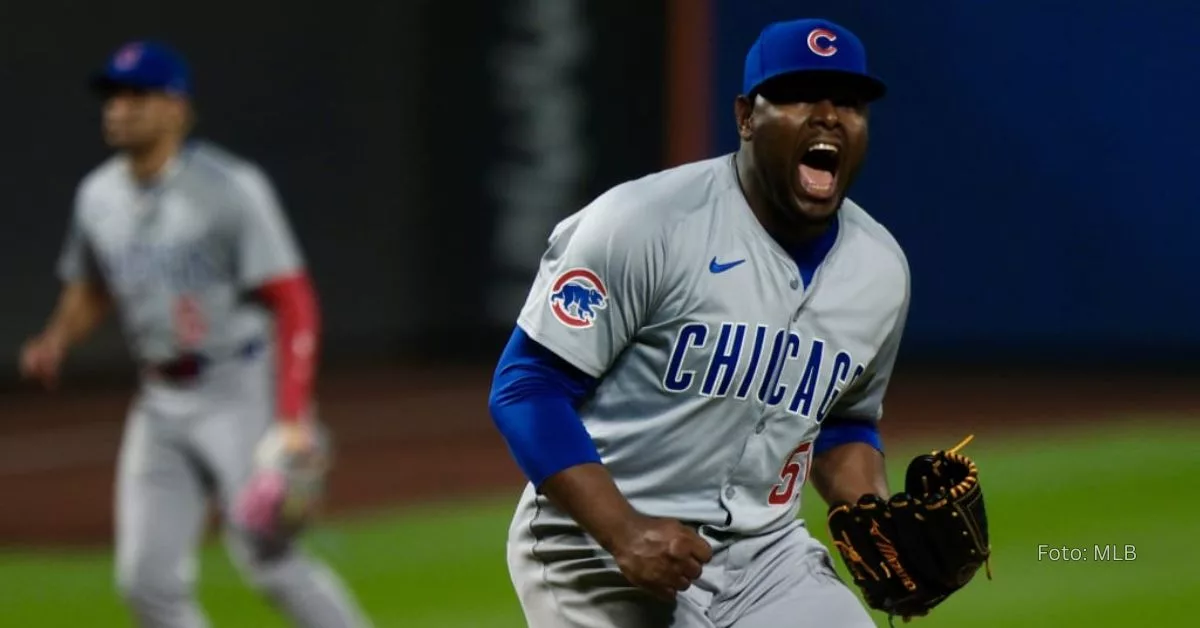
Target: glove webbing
<point>960,489</point>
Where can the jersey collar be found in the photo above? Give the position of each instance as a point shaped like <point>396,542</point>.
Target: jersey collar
<point>807,257</point>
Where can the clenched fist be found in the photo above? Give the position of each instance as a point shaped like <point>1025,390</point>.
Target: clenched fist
<point>661,555</point>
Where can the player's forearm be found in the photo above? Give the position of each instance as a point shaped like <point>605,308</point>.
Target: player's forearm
<point>554,450</point>
<point>849,471</point>
<point>588,494</point>
<point>80,310</point>
<point>533,404</point>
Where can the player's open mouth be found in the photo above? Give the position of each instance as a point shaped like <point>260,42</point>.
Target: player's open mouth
<point>818,170</point>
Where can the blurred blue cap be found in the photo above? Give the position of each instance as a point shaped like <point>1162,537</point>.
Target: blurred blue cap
<point>809,46</point>
<point>145,65</point>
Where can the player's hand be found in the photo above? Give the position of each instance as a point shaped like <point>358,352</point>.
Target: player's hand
<point>41,359</point>
<point>299,437</point>
<point>302,444</point>
<point>662,556</point>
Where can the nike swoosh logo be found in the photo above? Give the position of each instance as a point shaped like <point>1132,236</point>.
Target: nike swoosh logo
<point>715,267</point>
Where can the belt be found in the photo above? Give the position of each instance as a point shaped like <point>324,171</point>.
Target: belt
<point>189,366</point>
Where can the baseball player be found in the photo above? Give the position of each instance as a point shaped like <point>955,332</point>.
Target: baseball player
<point>697,345</point>
<point>189,245</point>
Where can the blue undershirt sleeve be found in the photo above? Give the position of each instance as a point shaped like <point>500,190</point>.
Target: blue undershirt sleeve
<point>533,403</point>
<point>837,431</point>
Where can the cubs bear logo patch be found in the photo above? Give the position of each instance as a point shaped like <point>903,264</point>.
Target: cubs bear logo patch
<point>575,296</point>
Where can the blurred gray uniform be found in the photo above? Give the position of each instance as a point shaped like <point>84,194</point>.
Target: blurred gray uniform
<point>179,258</point>
<point>717,366</point>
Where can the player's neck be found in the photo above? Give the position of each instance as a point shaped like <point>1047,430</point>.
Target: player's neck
<point>148,164</point>
<point>789,233</point>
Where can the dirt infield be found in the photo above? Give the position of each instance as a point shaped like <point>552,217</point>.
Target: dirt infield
<point>409,435</point>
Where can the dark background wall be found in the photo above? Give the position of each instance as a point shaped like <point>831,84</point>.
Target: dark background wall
<point>423,149</point>
<point>1035,159</point>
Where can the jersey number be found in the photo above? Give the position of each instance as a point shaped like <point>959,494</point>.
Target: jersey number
<point>190,326</point>
<point>792,475</point>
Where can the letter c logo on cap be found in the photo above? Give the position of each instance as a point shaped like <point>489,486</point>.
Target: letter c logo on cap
<point>820,41</point>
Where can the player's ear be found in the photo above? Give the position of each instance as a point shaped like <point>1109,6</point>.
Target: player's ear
<point>743,108</point>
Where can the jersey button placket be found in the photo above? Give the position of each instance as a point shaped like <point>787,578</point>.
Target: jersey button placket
<point>795,285</point>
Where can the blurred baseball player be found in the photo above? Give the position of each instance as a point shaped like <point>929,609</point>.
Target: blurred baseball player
<point>697,345</point>
<point>189,245</point>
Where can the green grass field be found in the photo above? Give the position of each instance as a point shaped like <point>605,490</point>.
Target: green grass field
<point>443,567</point>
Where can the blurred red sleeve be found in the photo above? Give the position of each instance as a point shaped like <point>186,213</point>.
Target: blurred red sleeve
<point>297,328</point>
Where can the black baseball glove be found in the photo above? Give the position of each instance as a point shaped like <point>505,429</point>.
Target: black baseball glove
<point>909,553</point>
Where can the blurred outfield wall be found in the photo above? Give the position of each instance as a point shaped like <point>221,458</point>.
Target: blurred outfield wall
<point>1033,159</point>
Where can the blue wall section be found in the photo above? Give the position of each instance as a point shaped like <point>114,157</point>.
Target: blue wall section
<point>1035,160</point>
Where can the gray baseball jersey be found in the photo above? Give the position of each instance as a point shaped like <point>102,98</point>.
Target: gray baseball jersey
<point>717,364</point>
<point>178,256</point>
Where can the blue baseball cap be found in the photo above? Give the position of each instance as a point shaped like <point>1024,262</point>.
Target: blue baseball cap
<point>145,65</point>
<point>810,47</point>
